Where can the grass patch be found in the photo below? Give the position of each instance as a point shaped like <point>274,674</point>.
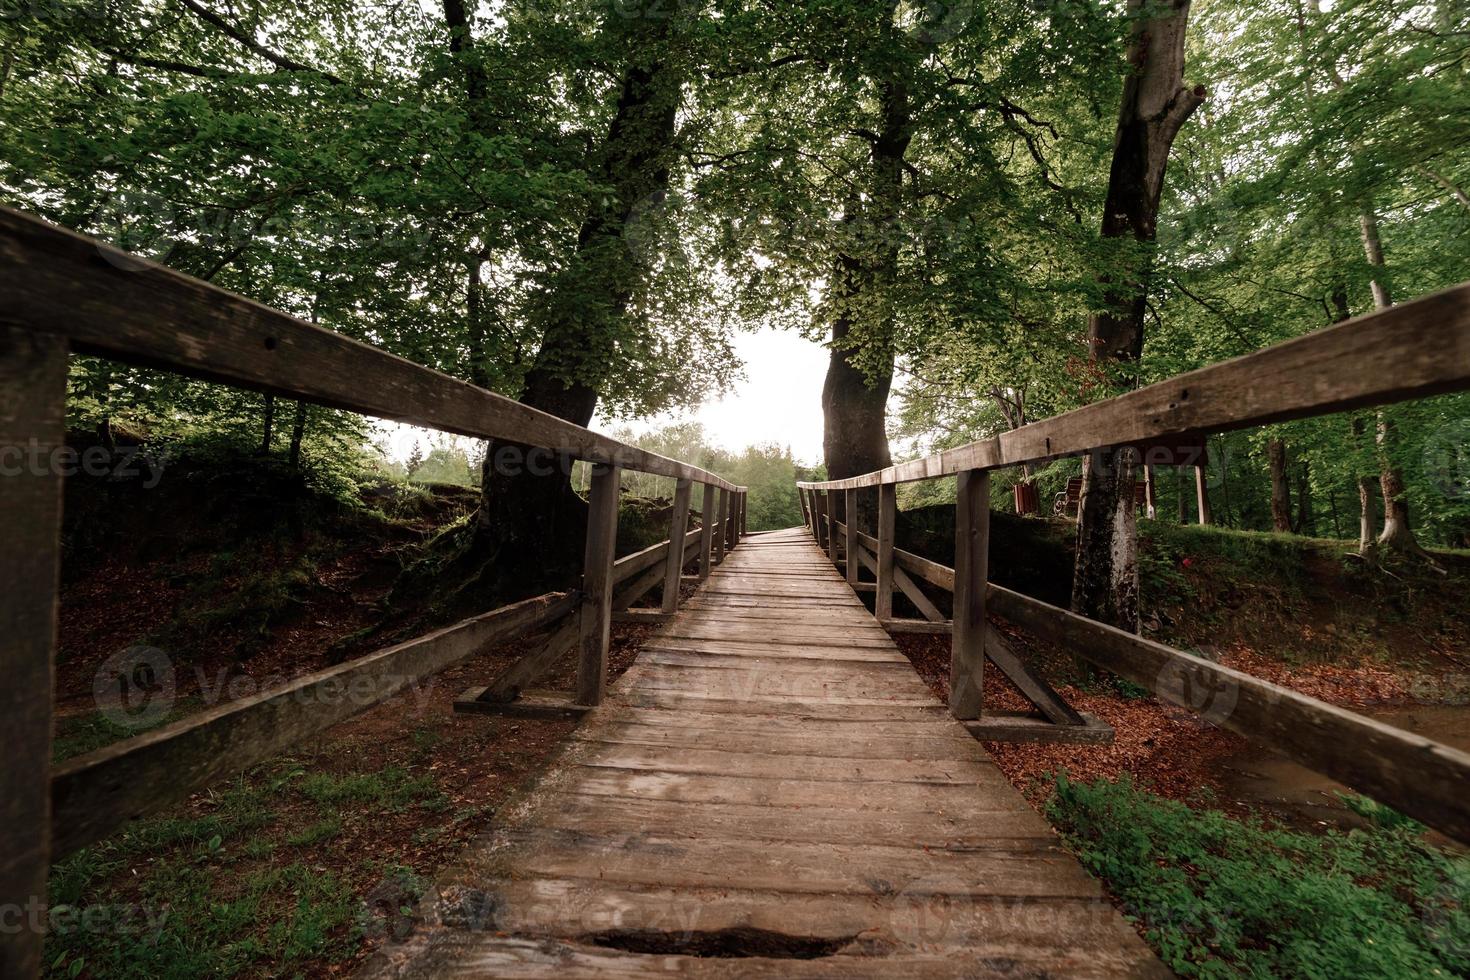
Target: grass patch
<point>1220,897</point>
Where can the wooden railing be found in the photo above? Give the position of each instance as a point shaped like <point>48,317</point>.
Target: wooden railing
<point>64,293</point>
<point>1410,351</point>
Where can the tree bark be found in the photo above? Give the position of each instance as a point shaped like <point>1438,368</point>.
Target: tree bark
<point>527,504</point>
<point>1367,523</point>
<point>1155,104</point>
<point>1280,492</point>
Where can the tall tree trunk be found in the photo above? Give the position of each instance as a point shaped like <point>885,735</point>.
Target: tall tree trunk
<point>1367,523</point>
<point>270,423</point>
<point>860,369</point>
<point>1397,534</point>
<point>1280,492</point>
<point>526,500</point>
<point>298,432</point>
<point>1155,104</point>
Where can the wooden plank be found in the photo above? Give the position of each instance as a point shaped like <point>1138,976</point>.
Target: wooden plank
<point>96,793</point>
<point>921,602</point>
<point>530,668</point>
<point>917,626</point>
<point>1419,776</point>
<point>972,551</point>
<point>1417,349</point>
<point>539,705</point>
<point>33,372</point>
<point>819,504</point>
<point>595,616</point>
<point>883,555</point>
<point>1010,726</point>
<point>1033,686</point>
<point>678,528</point>
<point>129,309</point>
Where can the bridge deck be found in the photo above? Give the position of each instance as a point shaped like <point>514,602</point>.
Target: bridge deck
<point>770,781</point>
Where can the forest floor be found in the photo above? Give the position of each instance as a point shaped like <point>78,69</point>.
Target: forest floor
<point>303,865</point>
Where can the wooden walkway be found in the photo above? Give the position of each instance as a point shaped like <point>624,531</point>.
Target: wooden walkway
<point>770,791</point>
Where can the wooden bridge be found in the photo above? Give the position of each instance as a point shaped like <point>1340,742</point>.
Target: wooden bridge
<point>771,781</point>
<point>770,790</point>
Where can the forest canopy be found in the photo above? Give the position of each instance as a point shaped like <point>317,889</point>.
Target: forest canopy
<point>578,204</point>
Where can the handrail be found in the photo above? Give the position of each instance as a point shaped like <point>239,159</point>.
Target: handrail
<point>120,306</point>
<point>1408,351</point>
<point>64,293</point>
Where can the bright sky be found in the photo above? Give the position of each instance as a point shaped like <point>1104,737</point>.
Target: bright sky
<point>779,401</point>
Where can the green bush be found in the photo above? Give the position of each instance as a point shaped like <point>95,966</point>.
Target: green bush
<point>1220,897</point>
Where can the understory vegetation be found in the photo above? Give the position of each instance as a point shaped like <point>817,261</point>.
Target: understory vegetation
<point>1223,897</point>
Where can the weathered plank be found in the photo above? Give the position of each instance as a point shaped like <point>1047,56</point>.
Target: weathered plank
<point>32,431</point>
<point>771,767</point>
<point>595,615</point>
<point>1417,349</point>
<point>1417,775</point>
<point>887,518</point>
<point>972,563</point>
<point>129,309</point>
<point>678,527</point>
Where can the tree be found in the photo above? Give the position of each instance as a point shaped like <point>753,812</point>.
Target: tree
<point>1155,104</point>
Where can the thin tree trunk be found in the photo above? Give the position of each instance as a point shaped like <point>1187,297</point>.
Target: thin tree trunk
<point>298,432</point>
<point>1305,521</point>
<point>1280,492</point>
<point>1150,500</point>
<point>1202,495</point>
<point>1367,524</point>
<point>1155,104</point>
<point>270,423</point>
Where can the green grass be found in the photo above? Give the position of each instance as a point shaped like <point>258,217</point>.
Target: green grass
<point>202,895</point>
<point>1220,897</point>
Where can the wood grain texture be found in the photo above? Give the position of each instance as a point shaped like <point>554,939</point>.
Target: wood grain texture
<point>595,616</point>
<point>129,309</point>
<point>1415,350</point>
<point>972,572</point>
<point>883,554</point>
<point>32,407</point>
<point>678,527</point>
<point>769,774</point>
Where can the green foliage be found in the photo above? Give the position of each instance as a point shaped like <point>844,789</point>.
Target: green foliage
<point>1220,897</point>
<point>769,472</point>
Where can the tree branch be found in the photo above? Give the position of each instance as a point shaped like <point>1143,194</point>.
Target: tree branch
<point>248,42</point>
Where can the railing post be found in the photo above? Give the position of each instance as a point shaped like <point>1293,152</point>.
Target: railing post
<point>732,522</point>
<point>971,575</point>
<point>33,376</point>
<point>744,512</point>
<point>850,539</point>
<point>706,530</point>
<point>887,519</point>
<point>830,510</point>
<point>720,522</point>
<point>806,518</point>
<point>597,585</point>
<point>678,526</point>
